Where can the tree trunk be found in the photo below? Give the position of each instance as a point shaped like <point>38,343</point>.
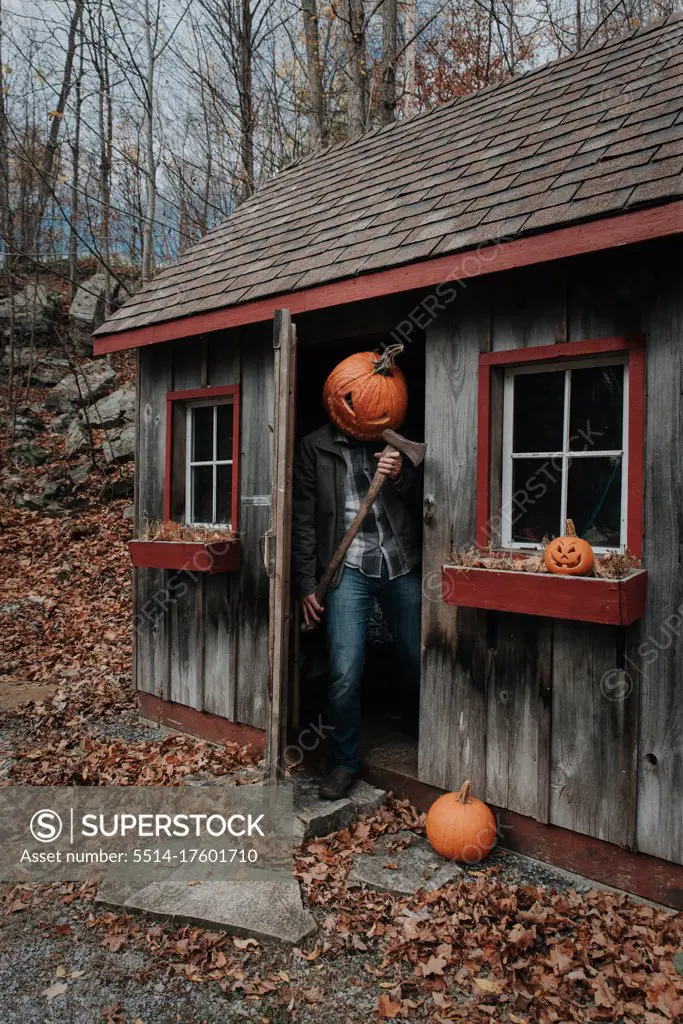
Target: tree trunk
<point>106,145</point>
<point>354,31</point>
<point>6,226</point>
<point>150,163</point>
<point>410,105</point>
<point>317,129</point>
<point>246,102</point>
<point>389,48</point>
<point>74,210</point>
<point>47,168</point>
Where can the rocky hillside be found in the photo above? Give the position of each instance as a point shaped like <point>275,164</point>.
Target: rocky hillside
<point>66,420</point>
<point>66,491</point>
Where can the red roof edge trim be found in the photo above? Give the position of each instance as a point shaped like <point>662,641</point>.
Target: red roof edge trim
<point>505,254</point>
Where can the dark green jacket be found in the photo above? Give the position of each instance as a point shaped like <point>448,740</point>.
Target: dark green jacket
<point>318,507</point>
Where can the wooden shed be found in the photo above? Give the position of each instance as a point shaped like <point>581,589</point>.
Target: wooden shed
<point>524,243</point>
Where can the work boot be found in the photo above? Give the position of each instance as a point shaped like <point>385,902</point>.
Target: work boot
<point>336,785</point>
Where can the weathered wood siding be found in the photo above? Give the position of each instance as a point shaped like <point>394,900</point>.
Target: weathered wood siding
<point>525,707</point>
<point>201,639</point>
<point>577,724</point>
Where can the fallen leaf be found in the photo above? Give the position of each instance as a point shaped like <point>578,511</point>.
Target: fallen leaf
<point>386,1008</point>
<point>488,986</point>
<point>57,989</point>
<point>434,965</point>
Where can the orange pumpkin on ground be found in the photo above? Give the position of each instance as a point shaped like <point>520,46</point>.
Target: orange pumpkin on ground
<point>460,827</point>
<point>569,555</point>
<point>366,394</point>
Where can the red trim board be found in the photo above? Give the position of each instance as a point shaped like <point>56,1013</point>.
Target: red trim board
<point>200,723</point>
<point>606,233</point>
<point>192,395</point>
<point>635,347</point>
<point>190,556</point>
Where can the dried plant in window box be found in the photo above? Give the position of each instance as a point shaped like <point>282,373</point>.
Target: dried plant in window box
<point>616,565</point>
<point>170,530</point>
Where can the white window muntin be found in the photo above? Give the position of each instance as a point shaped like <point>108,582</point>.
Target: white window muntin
<point>565,455</point>
<point>214,462</point>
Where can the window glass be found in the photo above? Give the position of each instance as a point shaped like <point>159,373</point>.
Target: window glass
<point>223,494</point>
<point>534,507</point>
<point>202,433</point>
<point>594,499</point>
<point>539,412</point>
<point>224,435</point>
<point>202,494</point>
<point>596,408</point>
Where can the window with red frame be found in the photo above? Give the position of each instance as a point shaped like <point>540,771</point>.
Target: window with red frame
<point>561,436</point>
<point>202,448</point>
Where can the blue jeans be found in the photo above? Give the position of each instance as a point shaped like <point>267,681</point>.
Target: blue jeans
<point>347,612</point>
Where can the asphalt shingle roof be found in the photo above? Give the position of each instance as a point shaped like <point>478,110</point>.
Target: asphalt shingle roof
<point>594,134</point>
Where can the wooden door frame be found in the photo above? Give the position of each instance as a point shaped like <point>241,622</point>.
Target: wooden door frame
<point>279,540</point>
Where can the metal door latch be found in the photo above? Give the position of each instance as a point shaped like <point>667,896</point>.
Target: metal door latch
<point>267,545</point>
<point>428,507</point>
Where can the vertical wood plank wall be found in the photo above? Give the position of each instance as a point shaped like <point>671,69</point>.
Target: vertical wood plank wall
<point>513,702</point>
<point>518,703</point>
<point>201,639</point>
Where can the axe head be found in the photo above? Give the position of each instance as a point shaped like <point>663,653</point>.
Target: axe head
<point>413,450</point>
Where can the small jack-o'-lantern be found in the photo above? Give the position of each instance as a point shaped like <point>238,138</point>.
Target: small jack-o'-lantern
<point>366,394</point>
<point>569,555</point>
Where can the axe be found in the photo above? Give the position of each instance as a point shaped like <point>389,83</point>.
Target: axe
<point>413,450</point>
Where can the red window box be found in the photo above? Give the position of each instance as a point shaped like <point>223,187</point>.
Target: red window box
<point>584,598</point>
<point>188,555</point>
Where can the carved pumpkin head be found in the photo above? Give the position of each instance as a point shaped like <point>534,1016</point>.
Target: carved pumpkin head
<point>366,394</point>
<point>460,827</point>
<point>569,555</point>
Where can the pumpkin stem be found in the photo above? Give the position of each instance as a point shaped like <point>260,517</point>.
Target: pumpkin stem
<point>465,792</point>
<point>571,529</point>
<point>385,363</point>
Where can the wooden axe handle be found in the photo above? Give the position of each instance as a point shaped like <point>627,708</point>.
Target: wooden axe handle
<point>346,541</point>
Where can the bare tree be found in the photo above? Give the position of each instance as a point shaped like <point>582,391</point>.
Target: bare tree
<point>410,104</point>
<point>6,231</point>
<point>389,47</point>
<point>356,74</point>
<point>317,127</point>
<point>47,169</point>
<point>74,206</point>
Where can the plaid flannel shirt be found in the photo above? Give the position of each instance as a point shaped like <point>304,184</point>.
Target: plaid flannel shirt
<point>375,542</point>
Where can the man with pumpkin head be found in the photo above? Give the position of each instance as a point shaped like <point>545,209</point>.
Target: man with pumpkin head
<point>364,395</point>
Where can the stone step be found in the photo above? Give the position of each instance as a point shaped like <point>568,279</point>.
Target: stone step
<point>268,909</point>
<point>313,817</point>
<point>254,909</point>
<point>403,863</point>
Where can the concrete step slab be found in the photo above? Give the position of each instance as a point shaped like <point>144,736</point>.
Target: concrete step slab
<point>264,910</point>
<point>315,817</point>
<point>403,863</point>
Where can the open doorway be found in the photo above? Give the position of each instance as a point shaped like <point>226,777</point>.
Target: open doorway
<point>389,735</point>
